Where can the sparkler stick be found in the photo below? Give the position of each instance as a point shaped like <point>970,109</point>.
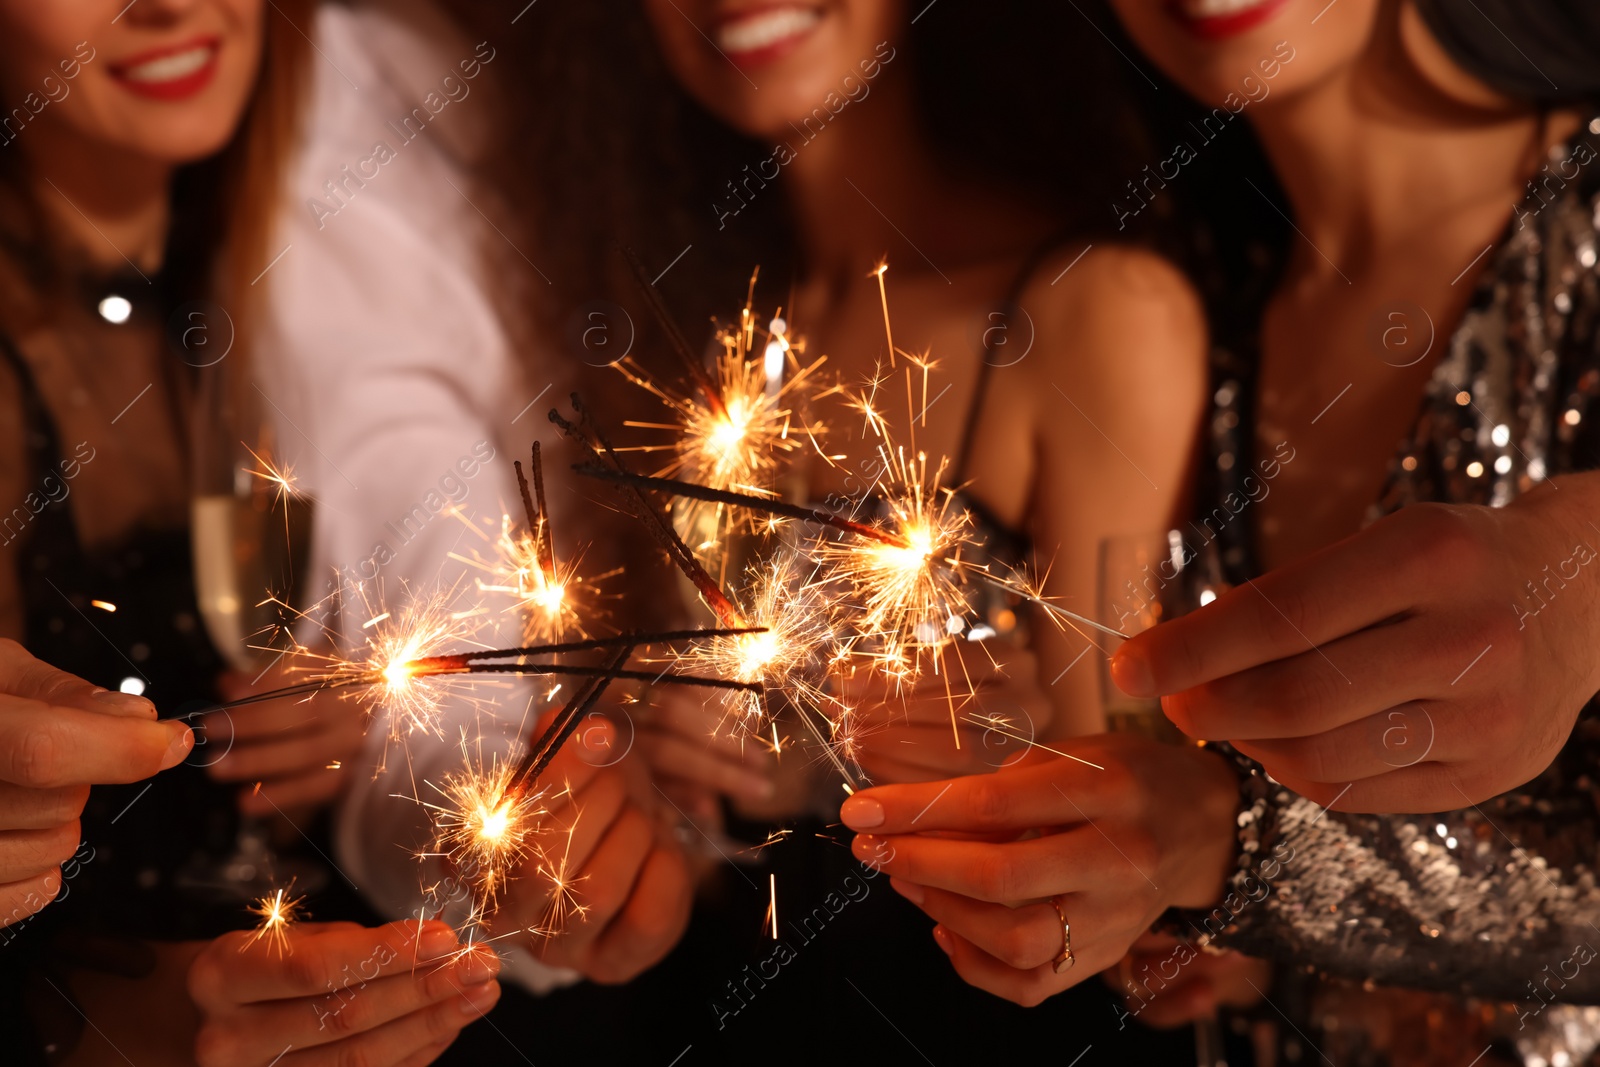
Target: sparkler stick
<point>537,669</point>
<point>589,645</point>
<point>825,518</point>
<point>640,507</point>
<point>767,505</point>
<point>566,721</point>
<point>675,339</point>
<point>663,677</point>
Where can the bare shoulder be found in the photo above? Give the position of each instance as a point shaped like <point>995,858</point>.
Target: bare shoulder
<point>1119,297</point>
<point>1122,331</point>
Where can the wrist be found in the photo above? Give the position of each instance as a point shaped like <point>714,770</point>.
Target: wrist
<point>1215,803</point>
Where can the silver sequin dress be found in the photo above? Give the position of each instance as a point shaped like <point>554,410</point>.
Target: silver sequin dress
<point>1497,901</point>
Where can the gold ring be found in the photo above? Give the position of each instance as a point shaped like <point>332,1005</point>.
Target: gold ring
<point>1064,961</point>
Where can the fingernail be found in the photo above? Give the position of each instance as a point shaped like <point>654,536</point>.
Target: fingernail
<point>942,937</point>
<point>910,890</point>
<point>477,1000</point>
<point>865,845</point>
<point>437,940</point>
<point>478,967</point>
<point>180,745</point>
<point>861,813</point>
<point>1132,673</point>
<point>123,701</point>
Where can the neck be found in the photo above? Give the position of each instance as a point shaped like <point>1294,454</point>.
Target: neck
<point>109,205</point>
<point>1373,157</point>
<point>868,166</point>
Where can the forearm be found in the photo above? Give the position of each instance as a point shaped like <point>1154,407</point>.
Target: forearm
<point>1497,900</point>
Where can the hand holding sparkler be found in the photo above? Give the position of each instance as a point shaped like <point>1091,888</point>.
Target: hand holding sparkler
<point>391,996</point>
<point>58,735</point>
<point>902,733</point>
<point>696,755</point>
<point>297,750</point>
<point>604,891</point>
<point>1063,841</point>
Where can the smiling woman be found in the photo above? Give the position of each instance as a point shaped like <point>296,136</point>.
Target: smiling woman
<point>144,186</point>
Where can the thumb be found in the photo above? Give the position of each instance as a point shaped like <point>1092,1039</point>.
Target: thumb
<point>24,675</point>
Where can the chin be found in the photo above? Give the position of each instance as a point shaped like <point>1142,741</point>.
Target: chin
<point>180,144</point>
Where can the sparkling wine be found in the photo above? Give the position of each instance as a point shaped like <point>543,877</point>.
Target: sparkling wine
<point>250,557</point>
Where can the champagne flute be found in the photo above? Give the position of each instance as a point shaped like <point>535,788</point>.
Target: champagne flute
<point>1143,580</point>
<point>251,532</point>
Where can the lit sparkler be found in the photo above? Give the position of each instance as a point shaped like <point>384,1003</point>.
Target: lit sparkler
<point>276,912</point>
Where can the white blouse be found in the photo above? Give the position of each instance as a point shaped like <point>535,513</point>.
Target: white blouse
<point>395,396</point>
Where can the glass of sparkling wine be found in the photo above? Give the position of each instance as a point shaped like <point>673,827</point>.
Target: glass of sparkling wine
<point>251,534</point>
<point>1143,580</point>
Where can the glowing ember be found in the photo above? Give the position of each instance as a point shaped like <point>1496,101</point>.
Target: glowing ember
<point>277,911</point>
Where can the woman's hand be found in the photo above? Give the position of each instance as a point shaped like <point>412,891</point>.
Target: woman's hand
<point>696,752</point>
<point>339,994</point>
<point>1165,982</point>
<point>990,695</point>
<point>1113,848</point>
<point>1437,658</point>
<point>613,897</point>
<point>58,736</point>
<point>300,748</point>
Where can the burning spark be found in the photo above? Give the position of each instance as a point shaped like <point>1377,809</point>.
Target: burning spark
<point>277,911</point>
<point>742,420</point>
<point>907,584</point>
<point>281,478</point>
<point>388,671</point>
<point>485,827</point>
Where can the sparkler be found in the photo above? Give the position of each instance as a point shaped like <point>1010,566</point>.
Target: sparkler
<point>738,424</point>
<point>923,532</point>
<point>276,912</point>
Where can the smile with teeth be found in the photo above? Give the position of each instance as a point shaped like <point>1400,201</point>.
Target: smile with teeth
<point>763,29</point>
<point>1210,9</point>
<point>171,67</point>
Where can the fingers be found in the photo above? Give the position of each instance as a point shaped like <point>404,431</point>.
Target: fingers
<point>394,1043</point>
<point>1318,689</point>
<point>1023,938</point>
<point>233,970</point>
<point>48,746</point>
<point>606,884</point>
<point>22,675</point>
<point>26,854</point>
<point>1016,798</point>
<point>1415,789</point>
<point>654,919</point>
<point>998,873</point>
<point>20,899</point>
<point>1344,588</point>
<point>22,808</point>
<point>367,1009</point>
<point>1027,988</point>
<point>697,761</point>
<point>586,817</point>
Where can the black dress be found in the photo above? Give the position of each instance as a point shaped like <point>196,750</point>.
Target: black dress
<point>126,883</point>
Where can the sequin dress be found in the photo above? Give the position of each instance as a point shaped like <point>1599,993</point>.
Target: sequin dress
<point>1497,901</point>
